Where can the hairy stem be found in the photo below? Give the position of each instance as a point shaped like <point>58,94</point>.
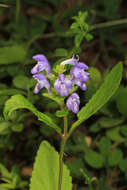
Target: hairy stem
<point>108,24</point>
<point>63,142</point>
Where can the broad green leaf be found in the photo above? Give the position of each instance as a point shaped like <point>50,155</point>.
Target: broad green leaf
<point>123,130</point>
<point>75,166</point>
<point>115,157</point>
<point>4,126</point>
<point>95,77</point>
<point>78,39</point>
<point>94,159</point>
<point>95,127</point>
<point>121,101</point>
<point>11,91</point>
<point>46,170</point>
<point>18,127</point>
<point>114,134</point>
<point>123,165</point>
<point>12,54</point>
<point>18,102</point>
<point>59,100</point>
<point>105,146</point>
<point>106,122</point>
<point>102,95</point>
<point>21,81</point>
<point>4,171</point>
<point>61,52</point>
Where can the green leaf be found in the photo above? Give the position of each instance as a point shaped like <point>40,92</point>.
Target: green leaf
<point>78,39</point>
<point>106,122</point>
<point>102,95</point>
<point>105,146</point>
<point>95,127</point>
<point>95,77</point>
<point>121,101</point>
<point>18,127</point>
<point>89,37</point>
<point>12,54</point>
<point>21,81</point>
<point>4,126</point>
<point>115,157</point>
<point>61,52</point>
<point>123,165</point>
<point>11,91</point>
<point>114,134</point>
<point>75,166</point>
<point>4,171</point>
<point>59,100</point>
<point>46,170</point>
<point>123,130</point>
<point>62,113</point>
<point>18,102</point>
<point>94,159</point>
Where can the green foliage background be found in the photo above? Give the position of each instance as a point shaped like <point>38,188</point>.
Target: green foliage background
<point>96,151</point>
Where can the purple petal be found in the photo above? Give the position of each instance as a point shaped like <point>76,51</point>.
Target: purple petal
<point>80,74</point>
<point>42,64</point>
<point>64,91</point>
<point>40,57</point>
<point>71,61</point>
<point>42,82</point>
<point>38,68</point>
<point>62,85</point>
<point>82,66</point>
<point>61,77</point>
<point>39,77</point>
<point>76,96</point>
<point>73,103</point>
<point>80,84</point>
<point>38,87</point>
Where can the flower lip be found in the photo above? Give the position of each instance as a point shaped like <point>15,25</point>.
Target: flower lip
<point>40,57</point>
<point>62,85</point>
<point>82,65</point>
<point>73,103</point>
<point>42,82</point>
<point>77,73</point>
<point>42,64</point>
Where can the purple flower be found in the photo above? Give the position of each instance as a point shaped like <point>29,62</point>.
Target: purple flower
<point>71,61</point>
<point>73,103</point>
<point>42,82</point>
<point>78,72</point>
<point>62,85</point>
<point>42,64</point>
<point>79,83</point>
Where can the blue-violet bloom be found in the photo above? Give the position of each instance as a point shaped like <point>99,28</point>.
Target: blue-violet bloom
<point>42,64</point>
<point>62,85</point>
<point>79,83</point>
<point>77,72</point>
<point>42,82</point>
<point>73,103</point>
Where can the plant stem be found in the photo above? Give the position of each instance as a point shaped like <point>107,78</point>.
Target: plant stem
<point>63,142</point>
<point>108,24</point>
<point>61,163</point>
<point>90,186</point>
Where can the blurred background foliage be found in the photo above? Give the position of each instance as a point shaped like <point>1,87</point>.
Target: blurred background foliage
<point>96,30</point>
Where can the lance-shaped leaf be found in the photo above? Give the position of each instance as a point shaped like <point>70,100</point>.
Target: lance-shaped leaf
<point>108,88</point>
<point>18,102</point>
<point>46,170</point>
